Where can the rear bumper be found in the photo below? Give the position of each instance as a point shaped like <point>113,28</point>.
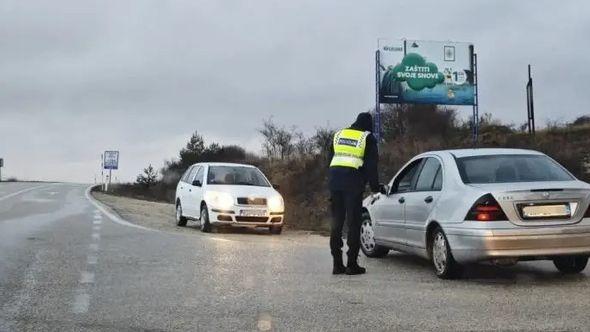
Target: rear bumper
<point>469,245</point>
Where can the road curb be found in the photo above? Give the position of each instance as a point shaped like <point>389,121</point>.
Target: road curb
<point>110,213</point>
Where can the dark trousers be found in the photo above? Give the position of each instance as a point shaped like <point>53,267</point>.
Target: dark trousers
<point>346,205</point>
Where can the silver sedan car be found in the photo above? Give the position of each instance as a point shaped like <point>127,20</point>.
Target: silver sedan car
<point>464,206</point>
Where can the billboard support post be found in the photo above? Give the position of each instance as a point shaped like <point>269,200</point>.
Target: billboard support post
<point>476,101</point>
<point>377,128</point>
<point>530,105</point>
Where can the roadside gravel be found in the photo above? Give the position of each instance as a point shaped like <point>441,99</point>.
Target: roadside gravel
<point>160,216</point>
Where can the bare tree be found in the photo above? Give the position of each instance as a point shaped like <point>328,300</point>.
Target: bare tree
<point>278,141</point>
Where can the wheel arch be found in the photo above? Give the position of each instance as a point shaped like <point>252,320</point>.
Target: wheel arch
<point>428,238</point>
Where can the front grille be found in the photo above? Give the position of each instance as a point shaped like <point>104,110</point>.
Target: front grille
<point>251,219</point>
<point>251,201</point>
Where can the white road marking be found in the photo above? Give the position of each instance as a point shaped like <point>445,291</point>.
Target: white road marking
<point>20,192</point>
<point>86,277</point>
<point>91,259</point>
<point>264,322</point>
<point>96,228</point>
<point>97,217</point>
<point>93,246</point>
<point>81,302</point>
<point>113,217</point>
<point>96,236</point>
<point>97,222</point>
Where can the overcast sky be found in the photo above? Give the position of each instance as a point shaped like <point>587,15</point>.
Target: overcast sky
<point>78,77</point>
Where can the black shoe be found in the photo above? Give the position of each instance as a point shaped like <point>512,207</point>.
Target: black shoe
<point>354,269</point>
<point>338,265</point>
<point>338,269</point>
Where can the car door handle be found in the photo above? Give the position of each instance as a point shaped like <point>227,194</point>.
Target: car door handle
<point>401,200</point>
<point>429,199</point>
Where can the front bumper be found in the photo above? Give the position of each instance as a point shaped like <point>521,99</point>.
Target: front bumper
<point>473,245</point>
<point>229,218</point>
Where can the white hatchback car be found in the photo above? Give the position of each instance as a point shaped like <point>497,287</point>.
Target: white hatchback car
<point>228,194</point>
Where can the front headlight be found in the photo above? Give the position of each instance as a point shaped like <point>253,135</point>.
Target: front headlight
<point>276,204</point>
<point>223,201</point>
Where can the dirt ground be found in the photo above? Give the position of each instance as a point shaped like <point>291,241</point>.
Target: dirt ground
<point>160,216</point>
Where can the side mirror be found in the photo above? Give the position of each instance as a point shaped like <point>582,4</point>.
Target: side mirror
<point>276,186</point>
<point>384,189</point>
<point>197,183</point>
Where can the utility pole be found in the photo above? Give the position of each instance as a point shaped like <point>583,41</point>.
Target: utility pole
<point>1,165</point>
<point>530,105</point>
<point>102,172</point>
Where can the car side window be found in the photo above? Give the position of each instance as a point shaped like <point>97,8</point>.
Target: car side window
<point>427,175</point>
<point>185,175</point>
<point>437,185</point>
<point>405,181</point>
<point>199,175</point>
<point>191,175</point>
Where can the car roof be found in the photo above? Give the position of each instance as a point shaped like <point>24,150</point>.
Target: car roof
<point>460,153</point>
<point>225,164</point>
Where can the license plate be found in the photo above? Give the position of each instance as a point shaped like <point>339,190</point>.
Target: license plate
<point>546,211</point>
<point>253,213</point>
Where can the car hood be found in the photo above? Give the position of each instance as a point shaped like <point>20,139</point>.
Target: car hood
<point>244,191</point>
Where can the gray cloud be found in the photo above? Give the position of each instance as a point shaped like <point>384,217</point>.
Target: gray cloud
<point>79,77</point>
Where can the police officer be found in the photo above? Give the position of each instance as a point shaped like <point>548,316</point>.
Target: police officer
<point>353,164</point>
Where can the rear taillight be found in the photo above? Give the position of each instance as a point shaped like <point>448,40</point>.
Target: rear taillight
<point>486,208</point>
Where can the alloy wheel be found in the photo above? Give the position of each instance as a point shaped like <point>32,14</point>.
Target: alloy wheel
<point>367,236</point>
<point>439,253</point>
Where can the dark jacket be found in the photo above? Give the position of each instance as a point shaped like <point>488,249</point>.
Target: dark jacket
<point>350,179</point>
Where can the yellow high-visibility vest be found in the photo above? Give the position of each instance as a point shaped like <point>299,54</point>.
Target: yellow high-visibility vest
<point>349,148</point>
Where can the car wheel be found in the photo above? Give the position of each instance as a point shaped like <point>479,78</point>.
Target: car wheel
<point>368,245</point>
<point>180,219</point>
<point>444,264</point>
<point>205,224</point>
<point>571,264</point>
<point>276,230</point>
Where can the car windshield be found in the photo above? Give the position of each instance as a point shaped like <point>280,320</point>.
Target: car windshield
<point>236,175</point>
<point>510,168</point>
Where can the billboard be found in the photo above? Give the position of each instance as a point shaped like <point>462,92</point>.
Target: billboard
<point>111,160</point>
<point>425,72</point>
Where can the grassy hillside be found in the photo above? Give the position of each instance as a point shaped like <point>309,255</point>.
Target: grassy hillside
<point>299,164</point>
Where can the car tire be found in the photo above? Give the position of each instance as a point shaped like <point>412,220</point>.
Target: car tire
<point>368,245</point>
<point>445,266</point>
<point>180,219</point>
<point>205,224</point>
<point>570,264</point>
<point>276,230</point>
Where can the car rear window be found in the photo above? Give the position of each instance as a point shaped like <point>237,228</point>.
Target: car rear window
<point>510,168</point>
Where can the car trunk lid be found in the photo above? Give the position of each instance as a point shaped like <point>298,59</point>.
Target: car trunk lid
<point>541,203</point>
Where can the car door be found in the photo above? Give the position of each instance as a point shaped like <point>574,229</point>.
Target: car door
<point>188,205</point>
<point>182,188</point>
<point>390,219</point>
<point>421,201</point>
<point>196,191</point>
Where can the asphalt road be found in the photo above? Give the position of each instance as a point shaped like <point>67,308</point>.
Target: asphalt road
<point>66,266</point>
